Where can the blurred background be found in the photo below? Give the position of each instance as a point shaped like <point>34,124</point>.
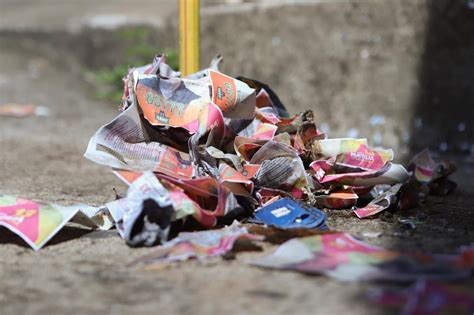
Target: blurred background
<point>398,72</point>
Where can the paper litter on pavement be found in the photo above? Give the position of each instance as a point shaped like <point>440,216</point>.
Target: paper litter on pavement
<point>341,256</point>
<point>37,223</point>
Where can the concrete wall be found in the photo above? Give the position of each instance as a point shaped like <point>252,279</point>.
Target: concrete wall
<point>410,62</point>
<point>407,64</point>
<point>348,61</point>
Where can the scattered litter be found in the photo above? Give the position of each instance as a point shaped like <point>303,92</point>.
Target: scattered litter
<point>427,298</point>
<point>144,216</point>
<point>338,199</point>
<point>23,110</point>
<point>148,214</point>
<point>426,177</point>
<point>432,175</point>
<point>206,150</point>
<point>286,214</point>
<point>345,258</point>
<point>216,148</point>
<point>276,235</point>
<point>199,245</point>
<point>37,223</point>
<point>219,148</point>
<point>381,203</point>
<point>378,190</point>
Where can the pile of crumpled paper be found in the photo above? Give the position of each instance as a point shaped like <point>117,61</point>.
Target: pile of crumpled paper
<point>211,148</point>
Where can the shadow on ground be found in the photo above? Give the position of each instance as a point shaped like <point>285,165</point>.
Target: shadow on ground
<point>66,234</point>
<point>442,121</point>
<point>443,112</point>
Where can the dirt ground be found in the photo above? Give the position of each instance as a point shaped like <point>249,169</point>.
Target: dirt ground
<point>89,272</point>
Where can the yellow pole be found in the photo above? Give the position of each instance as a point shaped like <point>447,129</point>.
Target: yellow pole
<point>188,36</point>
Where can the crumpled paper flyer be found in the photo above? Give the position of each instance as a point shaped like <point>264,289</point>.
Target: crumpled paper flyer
<point>37,223</point>
<point>341,256</point>
<point>198,245</point>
